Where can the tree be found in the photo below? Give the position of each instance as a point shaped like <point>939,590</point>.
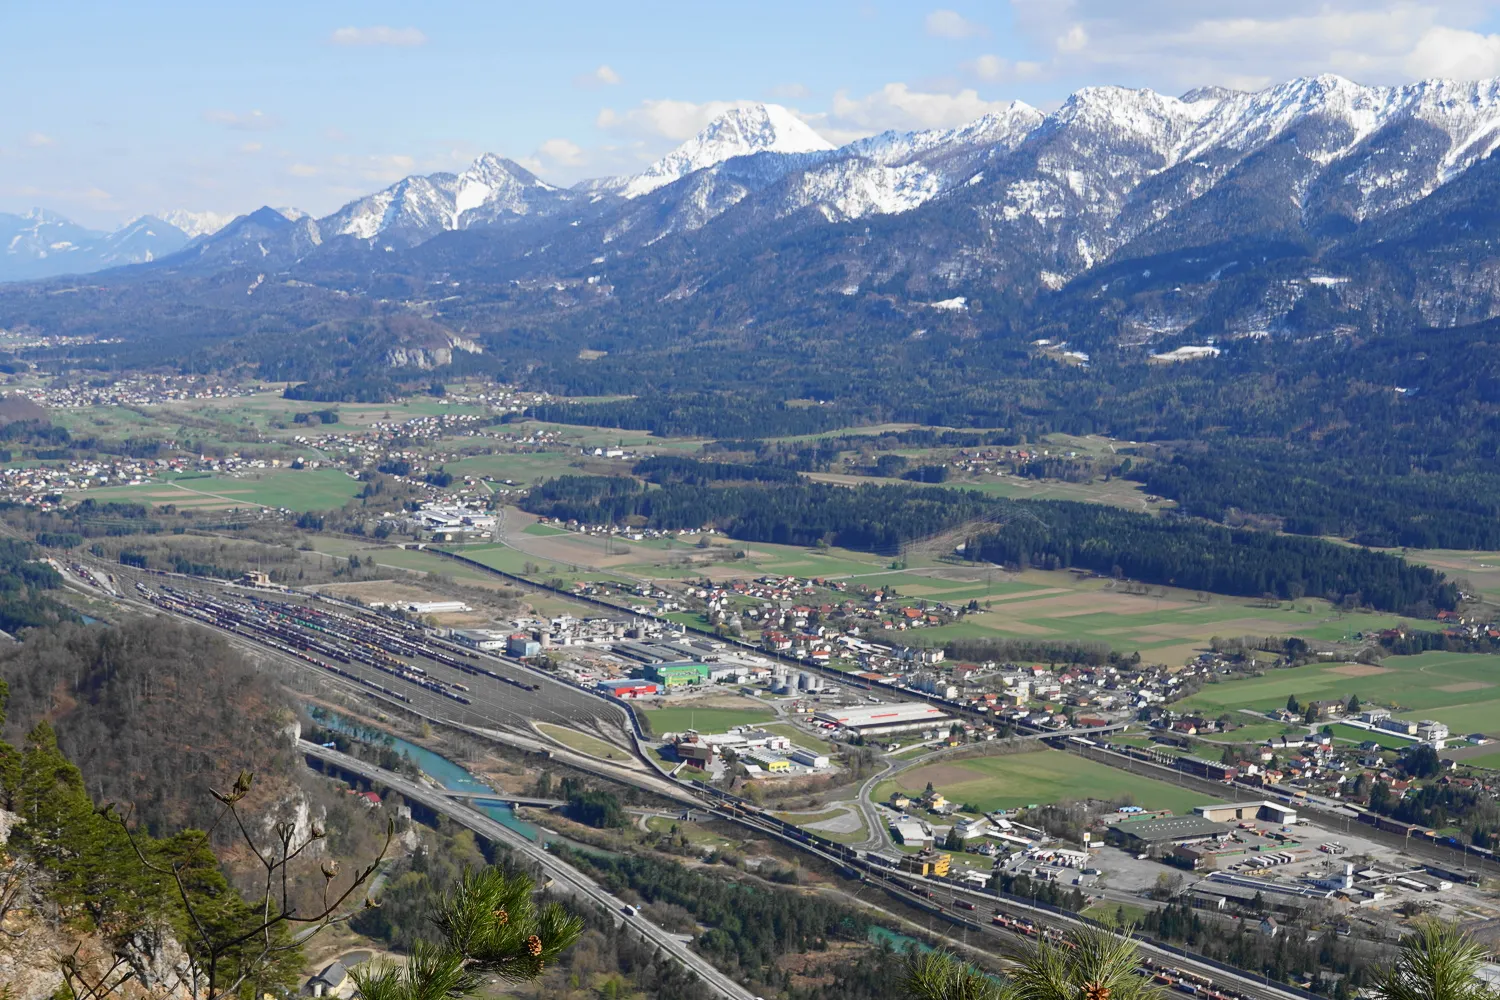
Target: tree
<point>491,925</point>
<point>1311,714</point>
<point>1353,704</point>
<point>1437,962</point>
<point>1101,966</point>
<point>1292,705</point>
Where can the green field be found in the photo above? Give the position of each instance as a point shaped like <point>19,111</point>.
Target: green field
<point>308,489</point>
<point>704,720</point>
<point>1040,776</point>
<point>1256,732</point>
<point>1460,689</point>
<point>1354,734</point>
<point>1489,760</point>
<point>583,742</point>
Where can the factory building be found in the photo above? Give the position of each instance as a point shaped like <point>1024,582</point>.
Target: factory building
<point>629,688</point>
<point>1232,812</point>
<point>927,862</point>
<point>874,720</point>
<point>1166,831</point>
<point>480,638</point>
<point>671,675</point>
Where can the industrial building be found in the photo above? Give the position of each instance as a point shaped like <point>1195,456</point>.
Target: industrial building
<point>1145,834</point>
<point>670,675</point>
<point>521,644</point>
<point>480,638</point>
<point>872,720</point>
<point>628,688</point>
<point>772,763</point>
<point>927,862</point>
<point>808,758</point>
<point>1231,812</point>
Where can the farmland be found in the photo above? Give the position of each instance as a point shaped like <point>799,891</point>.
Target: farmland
<point>1166,624</point>
<point>1007,782</point>
<point>308,489</point>
<point>1460,689</point>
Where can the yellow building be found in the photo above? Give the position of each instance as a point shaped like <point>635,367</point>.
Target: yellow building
<point>927,863</point>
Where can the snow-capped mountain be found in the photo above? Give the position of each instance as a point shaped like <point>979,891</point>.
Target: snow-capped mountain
<point>743,131</point>
<point>415,209</point>
<point>195,224</point>
<point>41,244</point>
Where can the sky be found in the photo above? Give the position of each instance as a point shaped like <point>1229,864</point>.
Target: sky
<point>117,110</point>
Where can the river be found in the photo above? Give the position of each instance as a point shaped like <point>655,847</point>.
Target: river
<point>442,770</point>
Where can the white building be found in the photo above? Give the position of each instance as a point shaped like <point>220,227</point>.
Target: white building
<point>877,719</point>
<point>808,758</point>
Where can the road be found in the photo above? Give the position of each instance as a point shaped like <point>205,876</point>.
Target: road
<point>563,874</point>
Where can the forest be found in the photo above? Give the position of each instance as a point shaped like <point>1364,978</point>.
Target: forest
<point>86,867</point>
<point>153,713</point>
<point>750,924</point>
<point>869,518</point>
<point>1194,555</point>
<point>1046,534</point>
<point>23,589</point>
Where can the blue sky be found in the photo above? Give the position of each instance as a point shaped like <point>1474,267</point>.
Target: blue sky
<point>117,110</point>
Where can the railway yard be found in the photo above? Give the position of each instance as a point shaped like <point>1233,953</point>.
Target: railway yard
<point>394,658</point>
<point>408,663</point>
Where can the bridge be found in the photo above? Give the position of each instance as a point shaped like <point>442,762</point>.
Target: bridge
<point>565,876</point>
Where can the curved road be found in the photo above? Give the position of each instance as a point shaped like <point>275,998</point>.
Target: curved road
<point>563,874</point>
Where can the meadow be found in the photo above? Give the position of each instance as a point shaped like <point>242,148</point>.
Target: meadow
<point>1040,776</point>
<point>704,720</point>
<point>299,490</point>
<point>1460,689</point>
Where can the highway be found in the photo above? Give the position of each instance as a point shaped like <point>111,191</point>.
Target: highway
<point>562,874</point>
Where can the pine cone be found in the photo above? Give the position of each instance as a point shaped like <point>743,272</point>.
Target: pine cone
<point>534,945</point>
<point>502,916</point>
<point>1095,991</point>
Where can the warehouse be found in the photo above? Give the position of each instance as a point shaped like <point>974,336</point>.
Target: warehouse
<point>872,720</point>
<point>670,675</point>
<point>628,688</point>
<point>1145,834</point>
<point>1230,812</point>
<point>480,638</point>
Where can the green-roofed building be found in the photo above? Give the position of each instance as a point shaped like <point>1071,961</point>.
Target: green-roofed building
<point>671,675</point>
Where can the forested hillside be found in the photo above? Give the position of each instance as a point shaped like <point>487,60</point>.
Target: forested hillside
<point>153,713</point>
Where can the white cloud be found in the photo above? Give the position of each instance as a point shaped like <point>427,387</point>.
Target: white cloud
<point>789,91</point>
<point>379,34</point>
<point>303,170</point>
<point>668,119</point>
<point>1172,45</point>
<point>562,152</point>
<point>1455,54</point>
<point>249,121</point>
<point>1075,39</point>
<point>251,147</point>
<point>603,76</point>
<point>996,69</point>
<point>898,106</point>
<point>952,24</point>
<point>36,140</point>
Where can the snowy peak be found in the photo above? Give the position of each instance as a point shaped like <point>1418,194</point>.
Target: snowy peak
<point>416,208</point>
<point>741,131</point>
<point>196,223</point>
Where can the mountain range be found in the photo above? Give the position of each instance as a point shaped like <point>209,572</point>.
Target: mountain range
<point>1124,219</point>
